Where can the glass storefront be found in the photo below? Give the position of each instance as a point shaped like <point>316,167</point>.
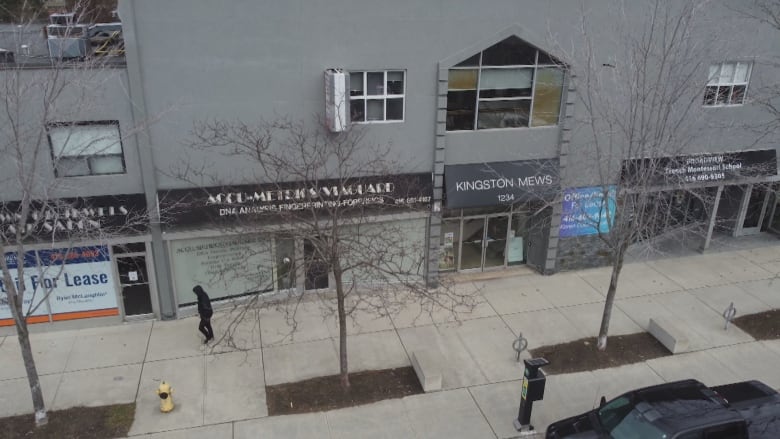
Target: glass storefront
<point>672,210</point>
<point>483,239</point>
<point>229,266</point>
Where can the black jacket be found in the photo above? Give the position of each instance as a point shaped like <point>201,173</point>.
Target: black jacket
<point>204,303</point>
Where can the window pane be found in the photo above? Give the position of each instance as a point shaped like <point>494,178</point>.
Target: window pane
<point>463,79</point>
<point>709,95</point>
<point>357,110</point>
<point>723,95</point>
<point>505,83</point>
<point>471,62</point>
<point>511,51</point>
<point>395,83</point>
<point>547,97</point>
<point>375,83</point>
<point>712,79</point>
<point>76,140</point>
<point>375,110</point>
<point>107,165</point>
<point>738,94</point>
<point>503,114</point>
<point>395,109</point>
<point>741,74</point>
<point>460,110</point>
<point>72,166</point>
<point>726,73</point>
<point>356,84</point>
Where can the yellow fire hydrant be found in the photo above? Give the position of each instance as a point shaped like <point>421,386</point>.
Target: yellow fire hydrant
<point>165,392</point>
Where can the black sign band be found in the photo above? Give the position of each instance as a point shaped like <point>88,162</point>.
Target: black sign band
<point>500,183</point>
<point>215,205</point>
<point>64,218</point>
<point>697,168</point>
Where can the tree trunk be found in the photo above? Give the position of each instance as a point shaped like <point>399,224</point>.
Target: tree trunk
<point>343,364</point>
<point>617,267</point>
<point>41,418</point>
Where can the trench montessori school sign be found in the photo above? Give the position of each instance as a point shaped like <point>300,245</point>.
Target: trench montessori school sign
<point>230,203</point>
<point>710,167</point>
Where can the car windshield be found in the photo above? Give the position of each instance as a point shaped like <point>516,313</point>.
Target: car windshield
<point>622,420</point>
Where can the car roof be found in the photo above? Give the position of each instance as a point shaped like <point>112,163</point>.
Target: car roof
<point>682,405</point>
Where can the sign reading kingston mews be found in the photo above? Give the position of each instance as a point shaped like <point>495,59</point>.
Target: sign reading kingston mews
<point>710,167</point>
<point>65,218</point>
<point>226,203</point>
<point>500,183</point>
<point>586,211</point>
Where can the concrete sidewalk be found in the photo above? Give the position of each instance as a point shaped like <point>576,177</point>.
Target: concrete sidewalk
<point>222,393</point>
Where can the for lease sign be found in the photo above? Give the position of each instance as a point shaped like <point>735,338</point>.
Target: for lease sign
<point>76,283</point>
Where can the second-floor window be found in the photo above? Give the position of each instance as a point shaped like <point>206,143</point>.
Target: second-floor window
<point>727,84</point>
<point>377,96</point>
<point>86,148</point>
<point>508,85</point>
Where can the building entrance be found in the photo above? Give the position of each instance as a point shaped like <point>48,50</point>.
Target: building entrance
<point>756,199</point>
<point>484,242</point>
<point>133,279</point>
<point>773,222</point>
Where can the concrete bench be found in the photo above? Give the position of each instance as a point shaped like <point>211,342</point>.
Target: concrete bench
<point>426,366</point>
<point>669,334</point>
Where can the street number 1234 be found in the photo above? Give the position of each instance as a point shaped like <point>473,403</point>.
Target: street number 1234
<point>506,197</point>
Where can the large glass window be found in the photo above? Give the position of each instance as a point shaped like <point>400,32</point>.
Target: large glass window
<point>377,96</point>
<point>86,148</point>
<point>226,266</point>
<point>509,85</point>
<point>727,84</point>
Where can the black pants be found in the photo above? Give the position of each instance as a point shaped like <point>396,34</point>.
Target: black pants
<point>205,327</point>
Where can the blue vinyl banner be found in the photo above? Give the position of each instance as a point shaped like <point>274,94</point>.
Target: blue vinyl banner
<point>586,212</point>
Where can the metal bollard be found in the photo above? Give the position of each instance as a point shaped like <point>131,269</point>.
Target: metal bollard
<point>729,314</point>
<point>519,345</point>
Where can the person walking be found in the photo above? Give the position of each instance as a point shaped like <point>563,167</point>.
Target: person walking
<point>205,312</point>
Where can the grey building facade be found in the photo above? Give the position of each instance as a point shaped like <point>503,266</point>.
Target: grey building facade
<point>481,97</point>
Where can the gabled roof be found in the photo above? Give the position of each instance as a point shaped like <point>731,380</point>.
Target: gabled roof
<point>514,30</point>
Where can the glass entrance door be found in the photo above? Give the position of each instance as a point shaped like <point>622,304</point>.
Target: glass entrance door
<point>316,268</point>
<point>483,243</point>
<point>495,241</point>
<point>756,208</point>
<point>134,281</point>
<point>774,219</point>
<point>473,236</point>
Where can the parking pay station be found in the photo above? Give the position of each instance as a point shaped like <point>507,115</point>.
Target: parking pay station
<point>532,390</point>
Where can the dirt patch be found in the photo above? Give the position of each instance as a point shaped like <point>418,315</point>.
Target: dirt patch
<point>582,354</point>
<point>325,393</point>
<point>761,326</point>
<point>103,422</point>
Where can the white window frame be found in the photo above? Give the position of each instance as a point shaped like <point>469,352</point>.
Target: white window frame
<point>479,67</point>
<point>715,81</point>
<point>60,151</point>
<point>365,97</point>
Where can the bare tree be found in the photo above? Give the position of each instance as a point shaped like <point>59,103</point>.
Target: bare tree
<point>639,93</point>
<point>41,212</point>
<point>339,198</point>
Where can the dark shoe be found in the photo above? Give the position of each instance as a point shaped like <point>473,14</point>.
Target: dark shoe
<point>206,341</point>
